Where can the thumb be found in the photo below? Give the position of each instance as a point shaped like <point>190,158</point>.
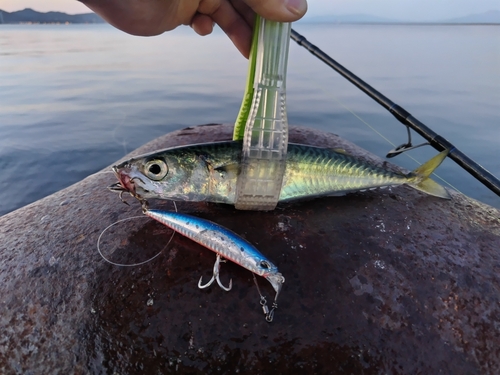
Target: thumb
<point>279,10</point>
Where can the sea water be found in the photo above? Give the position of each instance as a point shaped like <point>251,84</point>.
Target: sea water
<point>76,98</point>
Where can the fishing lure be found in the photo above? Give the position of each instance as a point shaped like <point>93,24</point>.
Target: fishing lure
<point>226,244</point>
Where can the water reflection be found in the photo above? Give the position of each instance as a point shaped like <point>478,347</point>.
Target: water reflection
<point>82,87</point>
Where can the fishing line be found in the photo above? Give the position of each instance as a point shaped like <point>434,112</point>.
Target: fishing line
<point>404,117</point>
<point>134,264</point>
<point>336,99</point>
<point>123,142</point>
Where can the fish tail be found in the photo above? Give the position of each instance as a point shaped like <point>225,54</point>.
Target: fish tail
<point>420,177</point>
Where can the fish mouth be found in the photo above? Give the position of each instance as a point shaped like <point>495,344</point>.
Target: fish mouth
<point>117,187</point>
<point>276,281</point>
<point>124,184</point>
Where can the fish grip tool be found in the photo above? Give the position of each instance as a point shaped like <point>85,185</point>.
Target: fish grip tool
<point>262,122</point>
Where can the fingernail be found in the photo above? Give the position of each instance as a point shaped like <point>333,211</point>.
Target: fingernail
<point>297,7</point>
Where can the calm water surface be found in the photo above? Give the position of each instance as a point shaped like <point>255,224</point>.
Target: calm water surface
<point>74,99</point>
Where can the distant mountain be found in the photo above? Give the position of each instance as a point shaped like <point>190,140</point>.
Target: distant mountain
<point>493,16</point>
<point>490,17</point>
<point>30,15</point>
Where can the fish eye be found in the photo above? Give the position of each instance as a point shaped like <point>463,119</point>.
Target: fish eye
<point>155,169</point>
<point>265,265</point>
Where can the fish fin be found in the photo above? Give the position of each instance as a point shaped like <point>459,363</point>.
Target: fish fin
<point>219,167</point>
<point>422,182</point>
<point>228,168</point>
<point>340,151</point>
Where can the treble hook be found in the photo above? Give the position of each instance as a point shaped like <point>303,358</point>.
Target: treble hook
<point>215,276</point>
<point>121,198</point>
<point>405,146</point>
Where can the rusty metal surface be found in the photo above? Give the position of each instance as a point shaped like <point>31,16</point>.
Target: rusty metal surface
<point>389,281</point>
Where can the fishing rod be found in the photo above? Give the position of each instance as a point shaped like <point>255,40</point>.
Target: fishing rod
<point>403,116</point>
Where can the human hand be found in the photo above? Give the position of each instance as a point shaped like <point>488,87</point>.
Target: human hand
<point>235,17</point>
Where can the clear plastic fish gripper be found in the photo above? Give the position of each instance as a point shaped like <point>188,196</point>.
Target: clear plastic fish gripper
<point>265,136</point>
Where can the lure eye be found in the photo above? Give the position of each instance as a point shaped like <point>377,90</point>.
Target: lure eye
<point>155,169</point>
<point>265,265</point>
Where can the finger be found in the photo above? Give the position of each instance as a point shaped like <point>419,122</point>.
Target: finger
<point>146,18</point>
<point>202,24</point>
<point>245,11</point>
<point>233,24</point>
<point>279,10</point>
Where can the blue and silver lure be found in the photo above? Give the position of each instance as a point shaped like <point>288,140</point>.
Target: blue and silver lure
<point>226,244</point>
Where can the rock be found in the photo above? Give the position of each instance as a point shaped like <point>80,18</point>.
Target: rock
<point>388,281</point>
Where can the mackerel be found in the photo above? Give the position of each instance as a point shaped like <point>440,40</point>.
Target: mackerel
<point>209,172</point>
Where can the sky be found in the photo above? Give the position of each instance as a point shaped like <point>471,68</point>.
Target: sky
<point>406,10</point>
